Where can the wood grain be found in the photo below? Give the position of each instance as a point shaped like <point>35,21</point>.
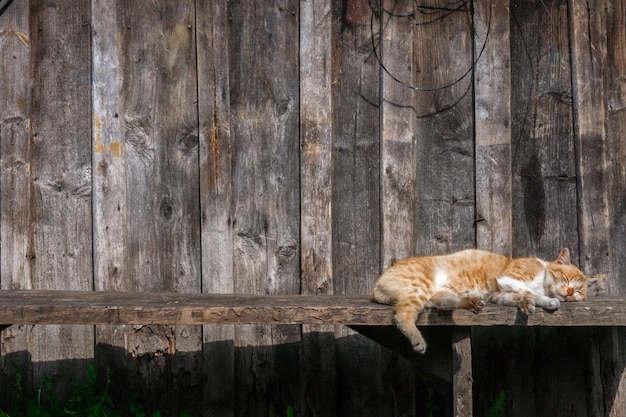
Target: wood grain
<point>398,125</point>
<point>16,255</point>
<point>588,31</point>
<point>597,100</point>
<point>615,74</point>
<point>265,128</point>
<point>444,202</point>
<point>61,176</point>
<point>87,307</point>
<point>216,196</point>
<point>492,84</point>
<point>147,217</point>
<point>462,384</point>
<point>316,152</point>
<point>543,153</point>
<point>316,207</point>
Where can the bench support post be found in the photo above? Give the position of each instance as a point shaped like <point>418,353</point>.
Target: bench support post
<point>462,371</point>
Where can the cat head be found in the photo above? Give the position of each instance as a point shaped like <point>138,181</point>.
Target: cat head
<point>567,282</point>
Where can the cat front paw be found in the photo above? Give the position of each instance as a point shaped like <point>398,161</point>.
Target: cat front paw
<point>552,304</point>
<point>527,305</point>
<point>476,304</point>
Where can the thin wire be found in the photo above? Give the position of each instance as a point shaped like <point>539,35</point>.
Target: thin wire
<point>415,87</point>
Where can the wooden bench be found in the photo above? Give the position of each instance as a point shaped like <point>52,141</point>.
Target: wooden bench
<point>22,307</point>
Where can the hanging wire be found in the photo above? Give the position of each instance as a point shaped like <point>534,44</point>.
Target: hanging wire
<point>4,4</point>
<point>425,10</point>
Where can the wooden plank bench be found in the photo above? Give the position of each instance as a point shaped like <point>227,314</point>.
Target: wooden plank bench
<point>23,307</point>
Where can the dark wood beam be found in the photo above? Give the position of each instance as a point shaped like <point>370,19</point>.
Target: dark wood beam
<point>87,307</point>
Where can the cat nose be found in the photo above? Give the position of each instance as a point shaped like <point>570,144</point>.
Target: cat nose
<point>570,292</point>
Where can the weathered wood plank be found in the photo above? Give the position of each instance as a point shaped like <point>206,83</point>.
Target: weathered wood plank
<point>109,165</point>
<point>427,146</point>
<point>398,126</point>
<point>356,158</point>
<point>15,102</point>
<point>216,196</point>
<point>444,206</point>
<point>316,208</point>
<point>613,384</point>
<point>588,33</point>
<point>264,106</point>
<point>94,307</point>
<point>356,222</point>
<point>395,38</point>
<point>492,86</point>
<point>61,175</point>
<point>614,76</point>
<point>315,142</point>
<point>146,167</point>
<point>543,154</point>
<point>598,40</point>
<point>462,383</point>
<point>15,182</point>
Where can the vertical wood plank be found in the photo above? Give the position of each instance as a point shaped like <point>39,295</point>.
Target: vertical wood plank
<point>544,212</point>
<point>61,177</point>
<point>109,166</point>
<point>216,196</point>
<point>146,165</point>
<point>597,41</point>
<point>398,194</point>
<point>614,75</point>
<point>356,157</point>
<point>398,126</point>
<point>428,186</point>
<point>492,86</point>
<point>444,143</point>
<point>462,382</point>
<point>588,34</point>
<point>494,210</point>
<point>316,142</point>
<point>15,181</point>
<point>356,221</point>
<point>15,105</point>
<point>264,98</point>
<point>543,154</point>
<point>427,146</point>
<point>616,153</point>
<point>316,164</point>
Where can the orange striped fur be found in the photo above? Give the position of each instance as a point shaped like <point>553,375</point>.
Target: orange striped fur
<point>468,278</point>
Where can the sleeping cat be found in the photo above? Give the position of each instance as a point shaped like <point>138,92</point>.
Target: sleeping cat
<point>466,279</point>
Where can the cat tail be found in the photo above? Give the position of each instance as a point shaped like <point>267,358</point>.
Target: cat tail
<point>380,296</point>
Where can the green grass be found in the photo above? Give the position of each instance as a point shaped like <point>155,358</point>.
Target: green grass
<point>497,407</point>
<point>85,400</point>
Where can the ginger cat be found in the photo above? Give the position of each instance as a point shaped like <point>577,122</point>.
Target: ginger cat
<point>467,278</point>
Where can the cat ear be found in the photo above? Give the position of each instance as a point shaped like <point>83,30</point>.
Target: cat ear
<point>563,257</point>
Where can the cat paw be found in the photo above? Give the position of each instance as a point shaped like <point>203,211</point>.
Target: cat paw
<point>476,304</point>
<point>419,346</point>
<point>527,305</point>
<point>552,304</point>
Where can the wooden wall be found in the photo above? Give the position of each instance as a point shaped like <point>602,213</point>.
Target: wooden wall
<point>261,147</point>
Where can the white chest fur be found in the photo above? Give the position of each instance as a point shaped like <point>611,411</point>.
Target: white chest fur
<point>535,286</point>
